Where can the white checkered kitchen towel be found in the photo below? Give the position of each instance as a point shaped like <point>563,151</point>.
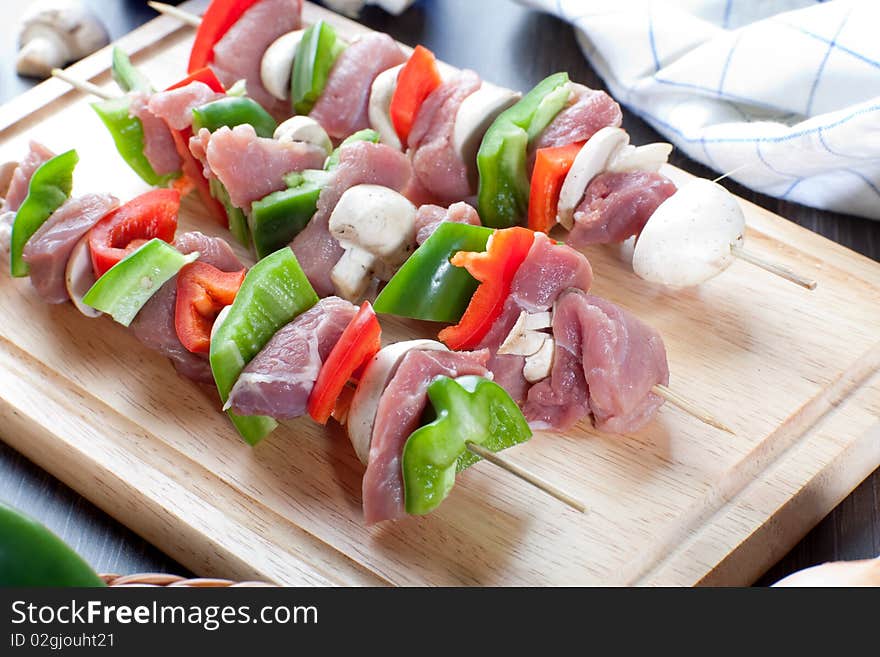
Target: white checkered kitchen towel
<point>790,88</point>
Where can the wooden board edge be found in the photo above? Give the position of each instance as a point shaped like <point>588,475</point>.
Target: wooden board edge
<point>195,547</point>
<point>775,538</point>
<point>674,543</point>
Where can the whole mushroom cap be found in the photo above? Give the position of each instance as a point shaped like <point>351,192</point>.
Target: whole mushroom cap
<point>56,32</point>
<point>689,237</point>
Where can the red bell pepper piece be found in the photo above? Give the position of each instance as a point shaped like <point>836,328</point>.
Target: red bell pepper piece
<point>415,82</point>
<point>193,176</point>
<point>551,167</point>
<point>358,343</point>
<point>204,75</point>
<point>202,292</point>
<point>218,18</point>
<point>193,172</point>
<point>495,269</point>
<point>123,230</point>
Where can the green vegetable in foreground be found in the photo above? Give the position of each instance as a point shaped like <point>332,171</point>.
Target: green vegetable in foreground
<point>49,188</point>
<point>232,111</point>
<point>274,292</point>
<point>367,134</point>
<point>238,224</point>
<point>124,289</point>
<point>428,286</point>
<point>127,75</point>
<point>279,217</point>
<point>315,55</point>
<point>469,409</point>
<point>128,135</point>
<point>31,555</point>
<point>503,195</point>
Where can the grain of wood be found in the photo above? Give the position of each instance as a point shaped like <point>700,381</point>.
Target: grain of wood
<point>112,420</point>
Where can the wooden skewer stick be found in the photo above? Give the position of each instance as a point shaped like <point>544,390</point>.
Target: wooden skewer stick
<point>179,14</point>
<point>81,85</point>
<point>666,393</point>
<point>688,407</point>
<point>525,475</point>
<point>773,268</point>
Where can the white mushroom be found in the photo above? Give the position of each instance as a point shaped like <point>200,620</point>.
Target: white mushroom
<point>276,66</point>
<point>649,157</point>
<point>475,114</point>
<point>7,218</point>
<point>56,32</point>
<point>79,277</point>
<point>539,365</point>
<point>304,129</point>
<point>365,403</point>
<point>376,227</point>
<point>380,104</point>
<point>528,339</point>
<point>689,237</point>
<point>352,8</point>
<point>591,160</point>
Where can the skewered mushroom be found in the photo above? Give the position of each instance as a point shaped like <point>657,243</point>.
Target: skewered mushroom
<point>55,33</point>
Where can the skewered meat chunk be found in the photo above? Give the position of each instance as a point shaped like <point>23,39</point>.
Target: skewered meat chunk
<point>279,379</point>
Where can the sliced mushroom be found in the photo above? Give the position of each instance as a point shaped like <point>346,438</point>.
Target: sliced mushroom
<point>304,129</point>
<point>527,338</point>
<point>376,376</point>
<point>380,105</point>
<point>592,160</point>
<point>56,32</point>
<point>376,227</point>
<point>689,237</point>
<point>539,365</point>
<point>475,114</point>
<point>79,277</point>
<point>649,157</point>
<point>6,221</point>
<point>276,67</point>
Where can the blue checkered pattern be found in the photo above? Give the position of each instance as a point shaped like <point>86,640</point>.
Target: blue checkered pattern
<point>789,90</point>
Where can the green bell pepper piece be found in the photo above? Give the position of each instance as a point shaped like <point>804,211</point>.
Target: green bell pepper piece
<point>315,55</point>
<point>469,409</point>
<point>238,224</point>
<point>279,217</point>
<point>232,111</point>
<point>124,289</point>
<point>127,75</point>
<point>428,286</point>
<point>367,134</point>
<point>31,556</point>
<point>128,135</point>
<point>49,187</point>
<point>503,194</point>
<point>274,292</point>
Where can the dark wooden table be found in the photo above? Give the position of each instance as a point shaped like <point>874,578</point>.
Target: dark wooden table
<point>510,46</point>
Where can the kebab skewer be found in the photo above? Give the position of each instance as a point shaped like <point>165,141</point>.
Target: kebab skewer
<point>127,280</point>
<point>370,223</point>
<point>558,133</point>
<point>121,291</point>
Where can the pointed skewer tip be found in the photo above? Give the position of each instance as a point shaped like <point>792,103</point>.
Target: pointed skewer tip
<point>690,408</point>
<point>529,477</point>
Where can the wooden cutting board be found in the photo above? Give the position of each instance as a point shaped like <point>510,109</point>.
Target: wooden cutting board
<point>792,371</point>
